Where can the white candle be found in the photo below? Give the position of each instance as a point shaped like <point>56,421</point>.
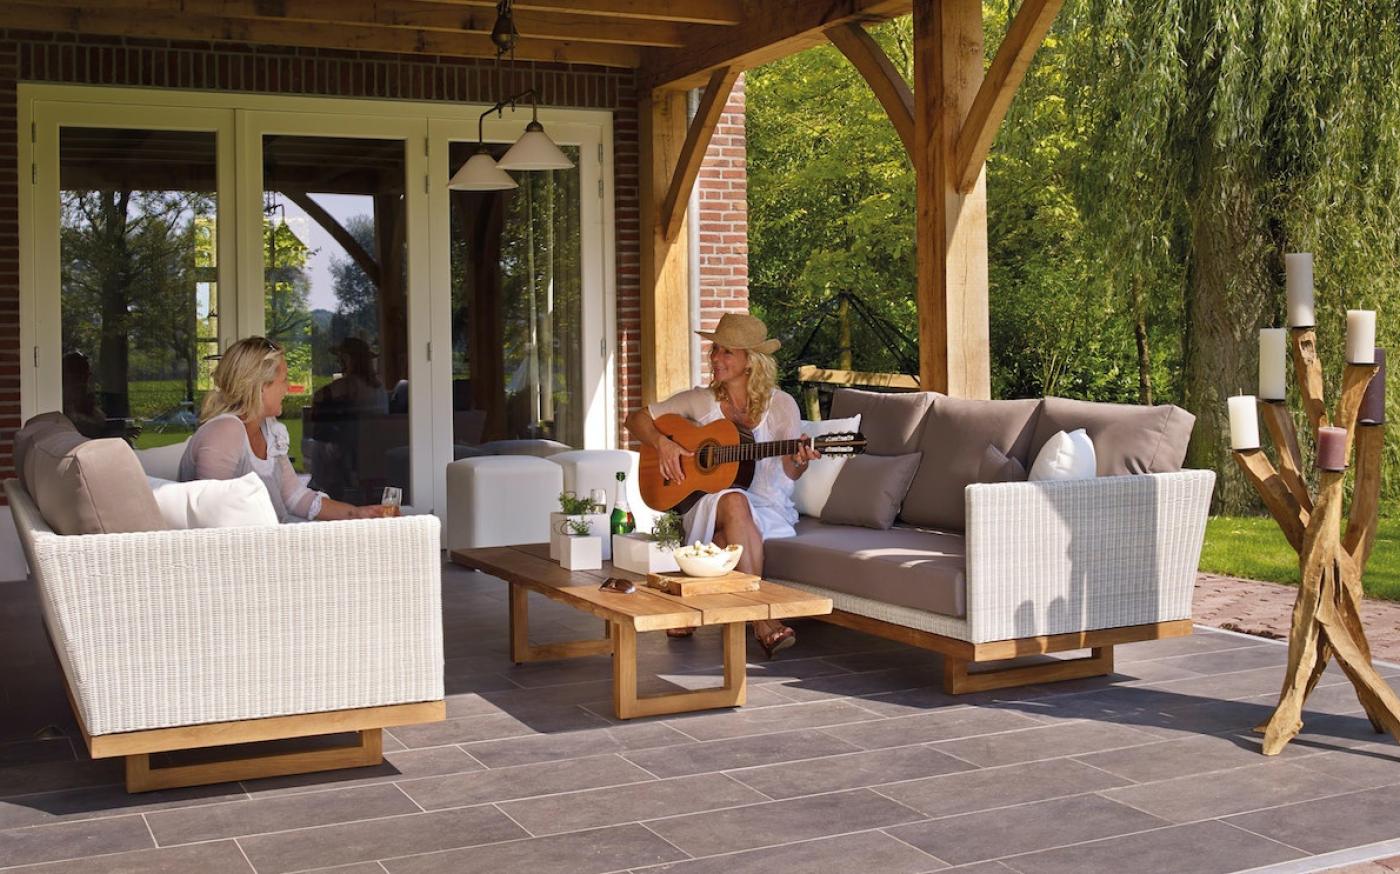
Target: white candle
<point>1299,283</point>
<point>1361,336</point>
<point>1273,355</point>
<point>1244,422</point>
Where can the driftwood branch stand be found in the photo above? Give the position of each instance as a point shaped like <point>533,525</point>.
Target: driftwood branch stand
<point>1327,613</point>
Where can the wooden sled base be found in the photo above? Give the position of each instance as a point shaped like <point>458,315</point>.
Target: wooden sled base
<point>958,655</point>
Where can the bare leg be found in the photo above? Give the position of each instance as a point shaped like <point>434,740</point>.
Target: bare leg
<point>734,524</point>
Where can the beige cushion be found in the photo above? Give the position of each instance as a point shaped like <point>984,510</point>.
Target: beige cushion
<point>1127,438</point>
<point>956,434</point>
<point>869,489</point>
<point>242,502</point>
<point>997,467</point>
<point>84,486</point>
<point>40,425</point>
<point>890,421</point>
<point>923,570</point>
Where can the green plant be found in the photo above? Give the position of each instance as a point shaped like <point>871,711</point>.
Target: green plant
<point>669,530</point>
<point>572,505</point>
<point>579,527</point>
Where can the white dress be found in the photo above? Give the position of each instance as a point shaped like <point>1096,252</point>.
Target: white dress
<point>770,493</point>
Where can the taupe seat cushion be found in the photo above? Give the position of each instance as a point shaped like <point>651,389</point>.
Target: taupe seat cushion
<point>923,570</point>
<point>84,486</point>
<point>954,440</point>
<point>1128,438</point>
<point>890,421</point>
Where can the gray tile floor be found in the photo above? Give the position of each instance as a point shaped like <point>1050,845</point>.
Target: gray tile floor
<point>847,759</point>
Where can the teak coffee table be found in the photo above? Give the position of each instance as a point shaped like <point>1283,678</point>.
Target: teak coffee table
<point>529,568</point>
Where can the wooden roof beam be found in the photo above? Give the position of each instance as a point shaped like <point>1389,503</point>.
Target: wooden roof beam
<point>994,97</point>
<point>684,11</point>
<point>311,34</point>
<point>697,140</point>
<point>888,83</point>
<point>772,30</point>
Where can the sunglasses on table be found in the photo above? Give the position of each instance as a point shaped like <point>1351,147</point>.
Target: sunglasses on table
<point>619,585</point>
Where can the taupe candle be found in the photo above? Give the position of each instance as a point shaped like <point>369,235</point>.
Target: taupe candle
<point>1373,402</point>
<point>1332,448</point>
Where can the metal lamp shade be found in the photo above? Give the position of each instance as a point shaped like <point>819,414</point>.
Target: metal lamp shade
<point>481,173</point>
<point>535,151</point>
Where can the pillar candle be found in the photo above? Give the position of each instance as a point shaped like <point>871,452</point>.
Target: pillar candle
<point>1373,402</point>
<point>1273,349</point>
<point>1332,448</point>
<point>1361,336</point>
<point>1244,422</point>
<point>1298,268</point>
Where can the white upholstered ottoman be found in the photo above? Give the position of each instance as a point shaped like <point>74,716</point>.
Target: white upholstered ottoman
<point>589,469</point>
<point>500,500</point>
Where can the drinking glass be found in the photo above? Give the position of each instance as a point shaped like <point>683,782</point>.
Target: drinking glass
<point>391,501</point>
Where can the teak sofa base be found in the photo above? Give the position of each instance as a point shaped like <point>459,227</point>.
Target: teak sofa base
<point>959,654</point>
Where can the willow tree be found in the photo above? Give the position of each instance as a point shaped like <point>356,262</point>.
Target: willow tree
<point>1220,134</point>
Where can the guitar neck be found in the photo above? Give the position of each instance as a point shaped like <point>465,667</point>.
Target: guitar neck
<point>755,451</point>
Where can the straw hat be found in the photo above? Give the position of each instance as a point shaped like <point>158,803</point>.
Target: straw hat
<point>742,331</point>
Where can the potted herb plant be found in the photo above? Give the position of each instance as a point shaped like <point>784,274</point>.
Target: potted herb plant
<point>650,553</point>
<point>580,550</point>
<point>574,508</point>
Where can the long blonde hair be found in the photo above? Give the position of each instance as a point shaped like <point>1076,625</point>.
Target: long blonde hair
<point>763,377</point>
<point>239,378</point>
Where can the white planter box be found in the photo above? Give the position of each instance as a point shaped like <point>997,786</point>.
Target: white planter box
<point>639,554</point>
<point>581,553</point>
<point>558,532</point>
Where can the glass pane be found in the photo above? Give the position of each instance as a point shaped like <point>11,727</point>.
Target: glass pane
<point>336,291</point>
<point>137,247</point>
<point>517,306</point>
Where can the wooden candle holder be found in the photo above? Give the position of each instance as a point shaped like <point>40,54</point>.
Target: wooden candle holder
<point>1327,612</point>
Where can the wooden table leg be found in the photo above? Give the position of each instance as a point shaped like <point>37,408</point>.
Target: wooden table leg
<point>521,650</point>
<point>629,705</point>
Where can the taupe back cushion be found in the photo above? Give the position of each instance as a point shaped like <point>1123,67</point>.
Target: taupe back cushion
<point>890,421</point>
<point>1128,438</point>
<point>84,486</point>
<point>954,440</point>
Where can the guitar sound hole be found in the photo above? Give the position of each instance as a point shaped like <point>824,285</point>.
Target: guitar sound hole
<point>704,456</point>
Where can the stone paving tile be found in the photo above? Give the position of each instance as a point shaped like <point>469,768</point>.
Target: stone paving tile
<point>617,805</point>
<point>851,771</point>
<point>744,752</point>
<point>54,776</point>
<point>103,801</point>
<point>862,685</point>
<point>1209,796</point>
<point>871,851</point>
<point>986,788</point>
<point>219,857</point>
<point>515,723</point>
<point>1202,848</point>
<point>590,852</point>
<point>1043,742</point>
<point>1349,820</point>
<point>523,781</point>
<point>28,752</point>
<point>402,765</point>
<point>328,845</point>
<point>1359,770</point>
<point>575,744</point>
<point>1198,754</point>
<point>721,726</point>
<point>277,813</point>
<point>72,840</point>
<point>938,726</point>
<point>781,822</point>
<point>990,834</point>
<point>1229,661</point>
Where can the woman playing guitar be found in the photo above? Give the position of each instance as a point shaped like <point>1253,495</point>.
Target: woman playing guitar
<point>744,390</point>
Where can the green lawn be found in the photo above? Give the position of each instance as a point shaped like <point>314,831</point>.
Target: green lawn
<point>1254,548</point>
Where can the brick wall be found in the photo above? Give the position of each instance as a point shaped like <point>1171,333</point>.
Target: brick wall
<point>66,58</point>
<point>724,221</point>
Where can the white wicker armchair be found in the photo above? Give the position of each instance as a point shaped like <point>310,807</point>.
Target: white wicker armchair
<point>173,640</point>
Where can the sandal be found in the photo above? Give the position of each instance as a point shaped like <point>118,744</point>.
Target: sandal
<point>777,641</point>
<point>679,633</point>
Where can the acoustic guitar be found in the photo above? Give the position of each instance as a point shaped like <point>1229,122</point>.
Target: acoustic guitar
<point>724,459</point>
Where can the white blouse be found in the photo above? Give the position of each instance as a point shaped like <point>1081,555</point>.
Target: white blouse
<point>220,450</point>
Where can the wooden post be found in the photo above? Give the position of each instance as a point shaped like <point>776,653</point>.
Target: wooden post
<point>951,227</point>
<point>665,261</point>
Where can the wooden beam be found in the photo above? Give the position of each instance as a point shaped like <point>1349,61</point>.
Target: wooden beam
<point>363,259</point>
<point>772,30</point>
<point>311,34</point>
<point>951,227</point>
<point>665,262</point>
<point>697,140</point>
<point>812,373</point>
<point>875,67</point>
<point>1004,76</point>
<point>418,14</point>
<point>721,12</point>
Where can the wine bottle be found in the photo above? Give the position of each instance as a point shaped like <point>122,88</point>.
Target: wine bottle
<point>622,521</point>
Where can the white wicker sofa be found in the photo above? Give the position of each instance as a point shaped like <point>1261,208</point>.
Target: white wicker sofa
<point>180,639</point>
<point>985,572</point>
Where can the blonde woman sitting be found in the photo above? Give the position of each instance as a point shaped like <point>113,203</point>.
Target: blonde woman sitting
<point>744,390</point>
<point>239,433</point>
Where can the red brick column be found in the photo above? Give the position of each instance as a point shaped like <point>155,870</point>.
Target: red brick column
<point>724,220</point>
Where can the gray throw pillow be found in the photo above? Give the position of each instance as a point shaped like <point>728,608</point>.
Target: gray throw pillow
<point>998,468</point>
<point>1128,438</point>
<point>890,421</point>
<point>956,431</point>
<point>869,490</point>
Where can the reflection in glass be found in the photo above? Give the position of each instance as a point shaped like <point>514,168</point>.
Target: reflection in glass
<point>137,246</point>
<point>517,308</point>
<point>336,297</point>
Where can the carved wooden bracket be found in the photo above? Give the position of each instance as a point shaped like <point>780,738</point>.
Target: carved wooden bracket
<point>875,67</point>
<point>697,140</point>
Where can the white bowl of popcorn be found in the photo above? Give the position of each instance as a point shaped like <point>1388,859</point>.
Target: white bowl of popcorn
<point>706,559</point>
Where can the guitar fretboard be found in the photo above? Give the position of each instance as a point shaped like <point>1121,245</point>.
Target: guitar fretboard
<point>752,451</point>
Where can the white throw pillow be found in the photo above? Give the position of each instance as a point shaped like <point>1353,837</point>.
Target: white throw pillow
<point>1066,456</point>
<point>215,503</point>
<point>813,488</point>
